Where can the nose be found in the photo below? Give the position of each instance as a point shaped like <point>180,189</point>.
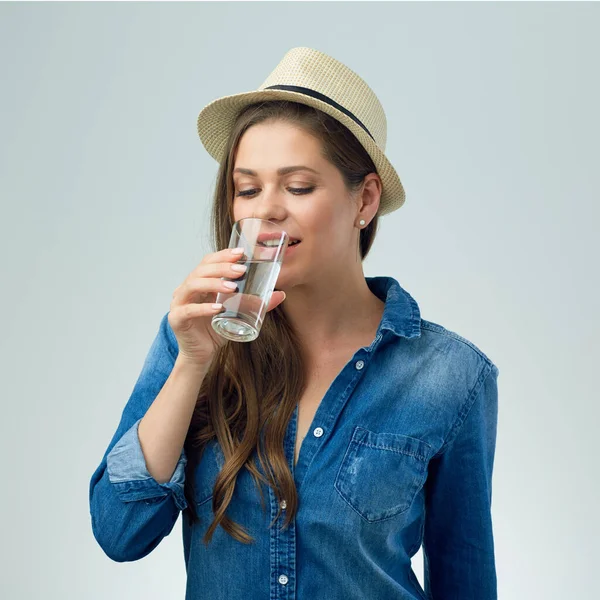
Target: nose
<point>270,207</point>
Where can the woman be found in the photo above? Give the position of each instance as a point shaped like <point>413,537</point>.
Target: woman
<point>351,431</point>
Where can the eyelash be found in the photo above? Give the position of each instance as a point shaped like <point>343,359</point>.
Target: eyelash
<point>296,191</point>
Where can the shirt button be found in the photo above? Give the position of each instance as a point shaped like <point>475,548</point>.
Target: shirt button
<point>283,579</point>
<point>318,432</point>
<point>360,364</point>
<point>283,504</point>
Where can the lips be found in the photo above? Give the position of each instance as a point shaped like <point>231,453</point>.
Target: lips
<point>275,236</point>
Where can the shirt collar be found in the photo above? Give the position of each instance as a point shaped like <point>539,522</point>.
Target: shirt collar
<point>401,314</point>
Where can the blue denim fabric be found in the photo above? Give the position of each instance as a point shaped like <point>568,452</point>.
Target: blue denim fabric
<point>400,454</point>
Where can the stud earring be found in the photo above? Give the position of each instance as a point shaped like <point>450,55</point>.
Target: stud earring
<point>362,221</point>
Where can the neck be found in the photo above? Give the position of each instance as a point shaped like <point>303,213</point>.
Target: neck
<point>332,315</point>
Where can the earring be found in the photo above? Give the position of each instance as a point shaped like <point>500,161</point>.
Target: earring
<point>362,221</point>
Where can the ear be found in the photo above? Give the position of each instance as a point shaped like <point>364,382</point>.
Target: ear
<point>371,195</point>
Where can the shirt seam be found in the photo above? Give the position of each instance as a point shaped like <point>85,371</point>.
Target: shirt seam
<point>466,408</point>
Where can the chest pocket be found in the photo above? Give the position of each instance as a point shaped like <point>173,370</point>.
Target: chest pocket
<point>381,473</point>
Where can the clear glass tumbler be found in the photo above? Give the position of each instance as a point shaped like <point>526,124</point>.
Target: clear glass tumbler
<point>264,246</point>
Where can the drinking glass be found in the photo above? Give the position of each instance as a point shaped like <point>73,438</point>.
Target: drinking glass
<point>265,244</point>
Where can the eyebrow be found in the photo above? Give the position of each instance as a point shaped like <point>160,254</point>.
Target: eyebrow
<point>282,171</point>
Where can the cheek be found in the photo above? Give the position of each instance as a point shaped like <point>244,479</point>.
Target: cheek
<point>238,211</point>
<point>241,212</point>
<point>320,217</point>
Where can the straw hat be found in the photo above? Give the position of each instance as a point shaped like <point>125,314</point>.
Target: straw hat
<point>311,77</point>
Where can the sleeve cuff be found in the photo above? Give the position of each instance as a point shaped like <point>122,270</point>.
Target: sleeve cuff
<point>126,467</point>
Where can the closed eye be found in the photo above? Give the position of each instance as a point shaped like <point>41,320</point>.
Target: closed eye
<point>296,191</point>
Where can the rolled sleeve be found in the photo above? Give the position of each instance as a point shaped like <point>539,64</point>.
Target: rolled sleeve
<point>458,541</point>
<point>128,473</point>
<point>130,511</point>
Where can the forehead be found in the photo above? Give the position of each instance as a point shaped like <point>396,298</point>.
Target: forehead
<point>269,146</point>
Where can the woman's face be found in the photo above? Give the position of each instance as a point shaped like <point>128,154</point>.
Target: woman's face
<point>311,205</point>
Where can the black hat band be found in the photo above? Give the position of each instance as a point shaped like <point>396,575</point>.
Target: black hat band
<point>323,98</point>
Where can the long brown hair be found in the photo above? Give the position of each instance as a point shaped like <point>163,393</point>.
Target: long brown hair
<point>254,387</point>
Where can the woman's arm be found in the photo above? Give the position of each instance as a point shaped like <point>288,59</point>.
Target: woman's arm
<point>458,542</point>
<point>136,495</point>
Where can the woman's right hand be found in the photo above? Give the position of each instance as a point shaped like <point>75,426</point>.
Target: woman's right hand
<point>191,309</point>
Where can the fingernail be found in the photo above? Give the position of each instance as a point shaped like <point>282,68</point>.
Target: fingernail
<point>237,251</point>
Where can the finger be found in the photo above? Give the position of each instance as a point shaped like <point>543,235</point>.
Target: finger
<point>211,264</point>
<point>181,315</point>
<point>210,271</point>
<point>226,254</point>
<point>208,287</point>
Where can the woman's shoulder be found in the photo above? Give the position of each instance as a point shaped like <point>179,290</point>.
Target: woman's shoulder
<point>452,344</point>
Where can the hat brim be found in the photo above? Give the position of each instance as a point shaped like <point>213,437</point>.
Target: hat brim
<point>216,119</point>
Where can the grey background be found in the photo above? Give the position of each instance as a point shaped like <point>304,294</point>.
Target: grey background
<point>493,127</point>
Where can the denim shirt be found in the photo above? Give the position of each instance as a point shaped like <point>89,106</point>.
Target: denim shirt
<point>399,455</point>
